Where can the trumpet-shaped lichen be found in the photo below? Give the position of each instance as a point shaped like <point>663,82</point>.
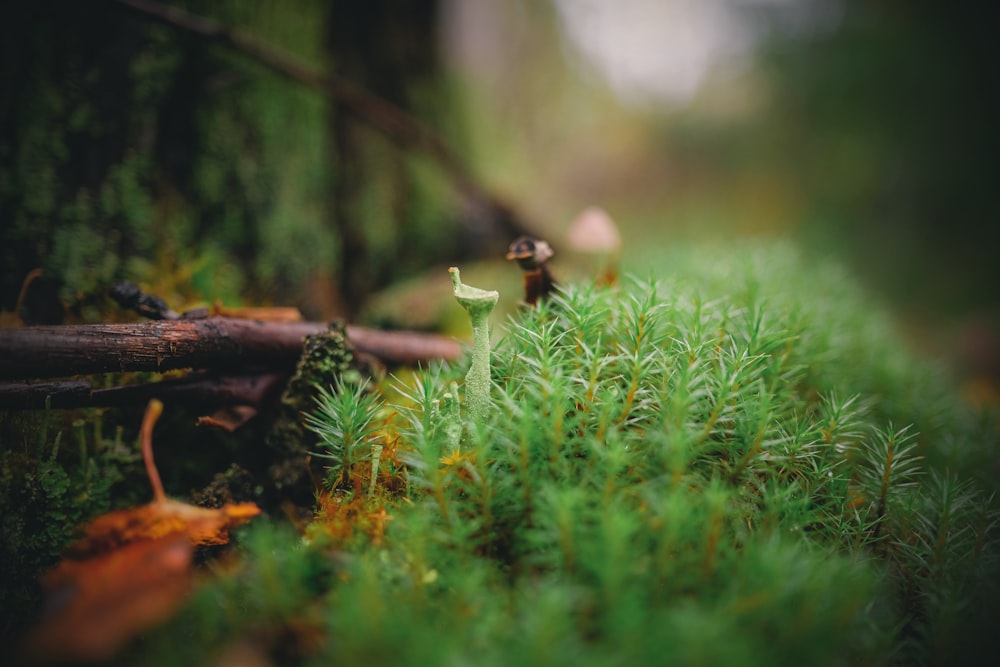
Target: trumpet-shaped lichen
<point>479,304</point>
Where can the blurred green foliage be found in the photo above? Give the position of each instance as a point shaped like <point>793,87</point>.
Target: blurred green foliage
<point>132,150</point>
<point>136,152</point>
<point>53,477</point>
<point>887,123</point>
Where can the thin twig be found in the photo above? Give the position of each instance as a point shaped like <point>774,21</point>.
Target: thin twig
<point>199,389</point>
<point>153,412</point>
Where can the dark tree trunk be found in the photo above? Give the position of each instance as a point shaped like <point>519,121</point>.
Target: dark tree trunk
<point>390,49</point>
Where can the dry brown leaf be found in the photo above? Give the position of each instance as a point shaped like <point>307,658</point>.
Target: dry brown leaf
<point>129,571</point>
<point>201,525</point>
<point>163,516</point>
<point>262,314</point>
<point>94,607</point>
<point>228,419</point>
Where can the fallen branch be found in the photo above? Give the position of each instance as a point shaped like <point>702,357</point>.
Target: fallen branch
<point>211,343</point>
<point>197,389</point>
<point>37,396</point>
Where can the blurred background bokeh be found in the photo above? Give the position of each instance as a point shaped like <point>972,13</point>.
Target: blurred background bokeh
<point>134,148</point>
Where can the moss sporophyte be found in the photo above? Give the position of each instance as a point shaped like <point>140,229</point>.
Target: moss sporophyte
<point>479,304</point>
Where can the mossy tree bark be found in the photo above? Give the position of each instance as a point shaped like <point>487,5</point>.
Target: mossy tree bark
<point>133,150</point>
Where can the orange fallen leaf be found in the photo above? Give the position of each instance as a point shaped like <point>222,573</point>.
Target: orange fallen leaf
<point>201,525</point>
<point>163,516</point>
<point>94,607</point>
<point>129,571</point>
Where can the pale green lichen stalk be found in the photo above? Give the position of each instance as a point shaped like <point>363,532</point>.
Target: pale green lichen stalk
<point>479,304</point>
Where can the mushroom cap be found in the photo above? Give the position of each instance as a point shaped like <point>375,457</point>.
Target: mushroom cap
<point>594,231</point>
<point>530,253</point>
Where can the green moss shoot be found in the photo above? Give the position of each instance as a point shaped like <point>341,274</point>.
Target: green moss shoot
<point>733,463</point>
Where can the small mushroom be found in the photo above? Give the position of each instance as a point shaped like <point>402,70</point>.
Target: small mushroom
<point>531,255</point>
<point>593,232</point>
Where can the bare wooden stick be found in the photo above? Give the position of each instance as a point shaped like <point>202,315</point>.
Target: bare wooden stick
<point>200,389</point>
<point>214,342</point>
<point>40,395</point>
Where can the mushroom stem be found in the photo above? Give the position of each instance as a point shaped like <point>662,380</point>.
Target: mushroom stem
<point>531,255</point>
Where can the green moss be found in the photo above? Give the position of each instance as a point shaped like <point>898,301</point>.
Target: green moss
<point>327,360</point>
<point>109,160</point>
<point>344,420</point>
<point>713,465</point>
<point>50,483</point>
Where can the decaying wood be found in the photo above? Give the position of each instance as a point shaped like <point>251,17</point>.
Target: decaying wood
<point>197,389</point>
<point>211,343</point>
<point>36,396</point>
